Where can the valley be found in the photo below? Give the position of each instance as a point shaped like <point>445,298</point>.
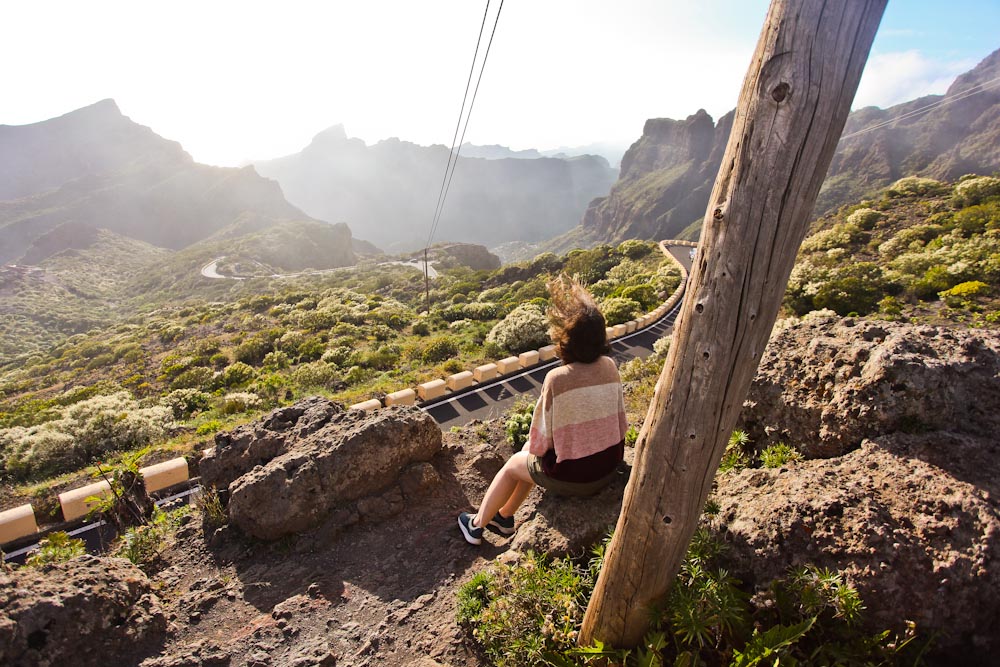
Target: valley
<point>272,326</point>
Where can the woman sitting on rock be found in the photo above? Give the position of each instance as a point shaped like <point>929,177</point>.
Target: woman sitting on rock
<point>577,436</point>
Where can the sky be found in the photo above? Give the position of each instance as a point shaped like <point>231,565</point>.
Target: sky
<point>235,81</point>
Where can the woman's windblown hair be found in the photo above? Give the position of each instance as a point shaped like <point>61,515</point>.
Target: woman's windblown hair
<point>576,324</point>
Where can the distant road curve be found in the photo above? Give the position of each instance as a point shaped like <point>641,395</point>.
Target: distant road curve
<point>211,270</point>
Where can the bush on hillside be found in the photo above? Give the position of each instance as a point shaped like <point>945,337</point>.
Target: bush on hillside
<point>864,218</point>
<point>439,349</point>
<point>912,186</point>
<point>525,328</point>
<point>976,190</point>
<point>636,249</point>
<point>619,310</point>
<point>83,432</point>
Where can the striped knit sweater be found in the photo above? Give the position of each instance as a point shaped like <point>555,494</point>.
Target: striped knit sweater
<point>581,411</point>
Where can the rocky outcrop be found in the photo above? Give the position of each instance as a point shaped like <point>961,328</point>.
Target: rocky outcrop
<point>476,257</point>
<point>825,384</point>
<point>905,498</point>
<point>87,611</point>
<point>912,520</point>
<point>666,179</point>
<point>298,465</point>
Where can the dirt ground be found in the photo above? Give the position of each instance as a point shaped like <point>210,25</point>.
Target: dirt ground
<point>372,594</point>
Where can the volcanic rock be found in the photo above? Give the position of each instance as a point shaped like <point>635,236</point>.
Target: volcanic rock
<point>86,611</point>
<point>825,384</point>
<point>287,472</point>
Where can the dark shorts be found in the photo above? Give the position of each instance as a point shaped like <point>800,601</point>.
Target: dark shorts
<point>562,488</point>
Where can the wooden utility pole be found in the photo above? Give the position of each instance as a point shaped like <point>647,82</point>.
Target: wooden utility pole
<point>792,109</point>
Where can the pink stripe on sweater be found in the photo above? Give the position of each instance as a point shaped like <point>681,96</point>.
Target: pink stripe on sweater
<point>574,441</point>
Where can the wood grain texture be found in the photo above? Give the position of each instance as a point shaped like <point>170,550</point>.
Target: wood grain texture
<point>792,109</point>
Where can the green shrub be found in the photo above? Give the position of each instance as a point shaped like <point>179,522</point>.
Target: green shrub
<point>276,361</point>
<point>253,350</point>
<point>238,374</point>
<point>736,456</point>
<point>977,219</point>
<point>239,401</point>
<point>518,423</point>
<point>209,427</point>
<point>864,218</point>
<point>779,455</point>
<point>84,431</point>
<point>193,378</point>
<point>636,249</point>
<point>421,329</point>
<point>618,310</point>
<point>439,349</point>
<point>525,328</point>
<point>316,374</point>
<point>522,613</point>
<point>934,281</point>
<point>57,547</point>
<point>963,294</point>
<point>976,190</point>
<point>383,358</point>
<point>912,186</point>
<point>643,294</point>
<point>185,402</point>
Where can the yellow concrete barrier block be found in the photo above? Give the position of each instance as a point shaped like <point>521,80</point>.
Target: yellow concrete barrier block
<point>527,359</point>
<point>17,522</point>
<point>428,391</point>
<point>609,332</point>
<point>631,326</point>
<point>162,475</point>
<point>74,503</point>
<point>367,406</point>
<point>547,353</point>
<point>485,372</point>
<point>401,397</point>
<point>459,381</point>
<point>508,365</point>
<point>620,330</point>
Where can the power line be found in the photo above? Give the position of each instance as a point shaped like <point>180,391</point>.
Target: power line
<point>461,141</point>
<point>458,124</point>
<point>969,92</point>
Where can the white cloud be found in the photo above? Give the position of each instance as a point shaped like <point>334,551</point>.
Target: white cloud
<point>901,76</point>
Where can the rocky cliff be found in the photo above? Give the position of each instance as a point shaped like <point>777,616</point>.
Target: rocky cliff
<point>667,175</point>
<point>666,178</point>
<point>387,192</point>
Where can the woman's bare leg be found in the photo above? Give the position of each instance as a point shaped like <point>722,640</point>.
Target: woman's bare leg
<point>520,492</point>
<point>503,487</point>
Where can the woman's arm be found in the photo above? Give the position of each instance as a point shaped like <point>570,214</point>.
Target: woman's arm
<point>540,433</point>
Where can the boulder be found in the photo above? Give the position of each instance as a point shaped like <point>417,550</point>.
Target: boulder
<point>913,521</point>
<point>301,464</point>
<point>825,384</point>
<point>86,611</point>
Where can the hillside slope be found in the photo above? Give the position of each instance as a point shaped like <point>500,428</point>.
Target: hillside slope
<point>96,167</point>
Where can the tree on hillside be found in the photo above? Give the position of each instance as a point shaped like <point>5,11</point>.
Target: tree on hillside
<point>792,109</point>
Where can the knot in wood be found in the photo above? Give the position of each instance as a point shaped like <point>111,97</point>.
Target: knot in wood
<point>717,214</point>
<point>780,92</point>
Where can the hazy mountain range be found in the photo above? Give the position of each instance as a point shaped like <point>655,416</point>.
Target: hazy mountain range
<point>387,192</point>
<point>667,175</point>
<point>96,168</point>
